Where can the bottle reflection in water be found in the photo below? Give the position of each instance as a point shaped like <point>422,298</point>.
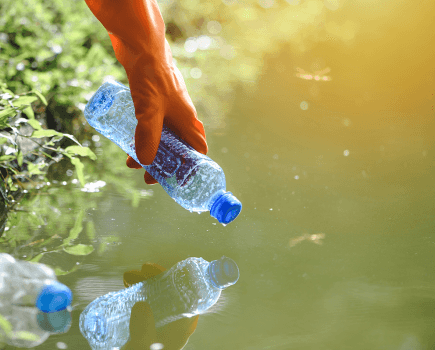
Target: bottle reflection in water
<point>192,179</point>
<point>26,327</point>
<point>189,288</point>
<point>31,284</point>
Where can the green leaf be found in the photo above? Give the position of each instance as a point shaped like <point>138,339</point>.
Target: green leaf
<point>90,230</point>
<point>37,257</point>
<point>35,169</point>
<point>45,133</point>
<point>75,231</point>
<point>7,91</point>
<point>29,112</point>
<point>79,170</point>
<point>5,158</point>
<point>34,124</point>
<point>72,138</point>
<point>41,97</point>
<point>81,151</point>
<point>5,325</point>
<point>25,335</point>
<point>3,191</point>
<point>136,199</point>
<point>24,100</point>
<point>8,112</point>
<point>20,158</point>
<point>59,272</point>
<point>79,249</point>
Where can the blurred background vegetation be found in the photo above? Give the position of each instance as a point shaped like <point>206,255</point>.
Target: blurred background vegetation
<point>289,56</point>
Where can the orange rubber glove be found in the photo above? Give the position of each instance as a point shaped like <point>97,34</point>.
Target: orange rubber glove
<point>137,32</point>
<point>143,332</point>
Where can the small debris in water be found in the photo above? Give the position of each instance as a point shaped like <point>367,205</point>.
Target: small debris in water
<point>315,238</point>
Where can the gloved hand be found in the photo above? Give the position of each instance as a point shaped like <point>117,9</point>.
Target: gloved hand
<point>143,332</point>
<point>137,32</point>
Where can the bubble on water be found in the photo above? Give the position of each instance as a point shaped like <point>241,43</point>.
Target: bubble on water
<point>20,66</point>
<point>34,78</point>
<point>271,209</point>
<point>195,73</point>
<point>61,345</point>
<point>304,105</point>
<point>214,27</point>
<point>296,177</point>
<point>69,172</point>
<point>191,45</point>
<point>156,346</point>
<point>346,152</point>
<point>95,138</point>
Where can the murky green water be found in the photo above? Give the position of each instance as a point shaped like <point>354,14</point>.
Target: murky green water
<point>335,251</point>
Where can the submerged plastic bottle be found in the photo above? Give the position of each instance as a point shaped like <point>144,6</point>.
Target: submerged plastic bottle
<point>189,288</point>
<point>192,179</point>
<point>23,283</point>
<point>28,327</point>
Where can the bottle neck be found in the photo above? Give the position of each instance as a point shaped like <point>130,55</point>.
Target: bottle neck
<point>211,273</point>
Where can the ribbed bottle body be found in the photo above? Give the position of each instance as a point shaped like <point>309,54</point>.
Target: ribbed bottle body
<point>182,291</point>
<point>189,177</point>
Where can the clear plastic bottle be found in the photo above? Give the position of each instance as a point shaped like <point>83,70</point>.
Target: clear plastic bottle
<point>192,179</point>
<point>189,288</point>
<point>28,327</point>
<point>24,283</point>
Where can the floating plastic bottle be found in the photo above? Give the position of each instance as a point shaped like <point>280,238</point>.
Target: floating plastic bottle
<point>27,327</point>
<point>192,179</point>
<point>24,283</point>
<point>189,288</point>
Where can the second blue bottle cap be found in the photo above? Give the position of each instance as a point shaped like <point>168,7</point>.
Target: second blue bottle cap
<point>54,296</point>
<point>226,208</point>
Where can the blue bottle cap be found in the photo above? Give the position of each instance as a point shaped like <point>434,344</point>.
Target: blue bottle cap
<point>54,322</point>
<point>223,272</point>
<point>54,296</point>
<point>226,208</point>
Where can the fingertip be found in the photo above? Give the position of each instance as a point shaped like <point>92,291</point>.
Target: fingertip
<point>149,180</point>
<point>132,164</point>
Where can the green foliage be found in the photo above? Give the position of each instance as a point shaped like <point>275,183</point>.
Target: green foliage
<point>56,47</point>
<point>27,148</point>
